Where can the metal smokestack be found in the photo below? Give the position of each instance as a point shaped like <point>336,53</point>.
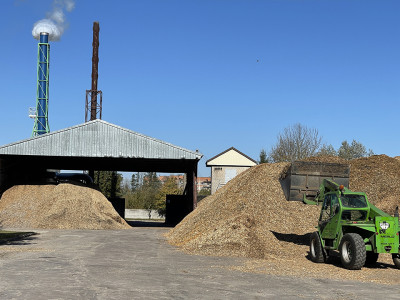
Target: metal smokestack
<point>95,73</point>
<point>41,124</point>
<point>92,105</point>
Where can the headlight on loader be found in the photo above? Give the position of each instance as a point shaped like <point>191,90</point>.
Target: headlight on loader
<point>384,225</point>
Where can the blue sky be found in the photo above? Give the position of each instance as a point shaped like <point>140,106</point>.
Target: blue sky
<point>210,75</point>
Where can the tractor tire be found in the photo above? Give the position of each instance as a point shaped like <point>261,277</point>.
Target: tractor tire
<point>372,258</point>
<point>316,252</point>
<point>352,251</point>
<point>396,260</point>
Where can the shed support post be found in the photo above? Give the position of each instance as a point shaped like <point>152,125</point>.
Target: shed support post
<point>192,188</point>
<point>195,187</point>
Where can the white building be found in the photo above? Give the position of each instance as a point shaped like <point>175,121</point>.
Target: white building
<point>226,166</point>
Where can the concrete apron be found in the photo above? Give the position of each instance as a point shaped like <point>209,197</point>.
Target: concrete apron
<point>138,264</point>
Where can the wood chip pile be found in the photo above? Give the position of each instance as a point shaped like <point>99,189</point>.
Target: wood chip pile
<point>379,177</point>
<point>250,217</point>
<point>63,206</point>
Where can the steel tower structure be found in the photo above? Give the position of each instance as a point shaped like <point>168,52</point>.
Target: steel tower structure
<point>41,124</point>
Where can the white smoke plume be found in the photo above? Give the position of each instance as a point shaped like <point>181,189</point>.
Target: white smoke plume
<point>55,22</point>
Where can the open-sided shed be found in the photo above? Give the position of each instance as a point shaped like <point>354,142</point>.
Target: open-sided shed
<point>96,145</point>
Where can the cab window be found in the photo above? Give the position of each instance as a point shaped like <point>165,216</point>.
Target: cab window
<point>334,204</point>
<point>326,209</point>
<point>354,201</point>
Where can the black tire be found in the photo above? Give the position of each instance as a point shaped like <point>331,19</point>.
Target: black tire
<point>352,251</point>
<point>316,252</point>
<point>396,260</point>
<point>371,258</point>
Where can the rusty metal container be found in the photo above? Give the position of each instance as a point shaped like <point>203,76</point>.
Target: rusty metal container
<point>304,178</point>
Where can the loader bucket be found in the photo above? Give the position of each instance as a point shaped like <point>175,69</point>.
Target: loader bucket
<point>305,178</point>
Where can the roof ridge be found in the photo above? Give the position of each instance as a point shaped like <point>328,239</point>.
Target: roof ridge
<point>227,150</point>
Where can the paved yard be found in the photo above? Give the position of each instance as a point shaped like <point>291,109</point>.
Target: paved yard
<point>139,264</point>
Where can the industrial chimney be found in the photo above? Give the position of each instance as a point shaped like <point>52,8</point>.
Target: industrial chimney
<point>41,124</point>
<point>92,107</point>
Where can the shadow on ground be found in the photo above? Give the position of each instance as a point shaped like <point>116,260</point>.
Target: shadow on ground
<point>334,260</point>
<point>141,223</point>
<point>25,238</point>
<point>303,239</point>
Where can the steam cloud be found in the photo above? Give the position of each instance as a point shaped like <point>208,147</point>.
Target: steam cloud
<point>55,22</point>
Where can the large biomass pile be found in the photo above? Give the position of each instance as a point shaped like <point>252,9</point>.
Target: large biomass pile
<point>379,177</point>
<point>63,206</point>
<point>250,216</point>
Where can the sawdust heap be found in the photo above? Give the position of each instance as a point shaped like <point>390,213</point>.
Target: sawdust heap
<point>250,217</point>
<point>63,206</point>
<point>327,159</point>
<point>379,177</point>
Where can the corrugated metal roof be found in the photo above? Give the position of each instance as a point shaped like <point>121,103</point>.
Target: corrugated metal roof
<point>98,139</point>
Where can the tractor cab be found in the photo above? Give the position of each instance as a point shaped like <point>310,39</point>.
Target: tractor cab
<point>349,205</point>
<point>354,207</point>
<point>340,208</point>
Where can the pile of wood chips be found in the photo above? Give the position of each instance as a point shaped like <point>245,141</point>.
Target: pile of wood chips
<point>379,177</point>
<point>247,217</point>
<point>63,206</point>
<point>250,217</point>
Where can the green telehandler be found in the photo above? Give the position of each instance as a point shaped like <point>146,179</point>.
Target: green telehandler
<point>348,223</point>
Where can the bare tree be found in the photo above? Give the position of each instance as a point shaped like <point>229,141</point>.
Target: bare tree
<point>295,142</point>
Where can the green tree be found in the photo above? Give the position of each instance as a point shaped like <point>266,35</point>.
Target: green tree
<point>135,181</point>
<point>296,142</point>
<point>170,187</point>
<point>204,192</point>
<point>327,150</point>
<point>353,150</point>
<point>263,157</point>
<point>144,189</point>
<point>134,200</point>
<point>125,186</point>
<point>149,190</point>
<point>109,183</point>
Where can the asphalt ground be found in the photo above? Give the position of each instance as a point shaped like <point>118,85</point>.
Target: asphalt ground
<point>139,264</point>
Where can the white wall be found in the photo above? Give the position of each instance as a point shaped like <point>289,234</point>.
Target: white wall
<point>141,214</point>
